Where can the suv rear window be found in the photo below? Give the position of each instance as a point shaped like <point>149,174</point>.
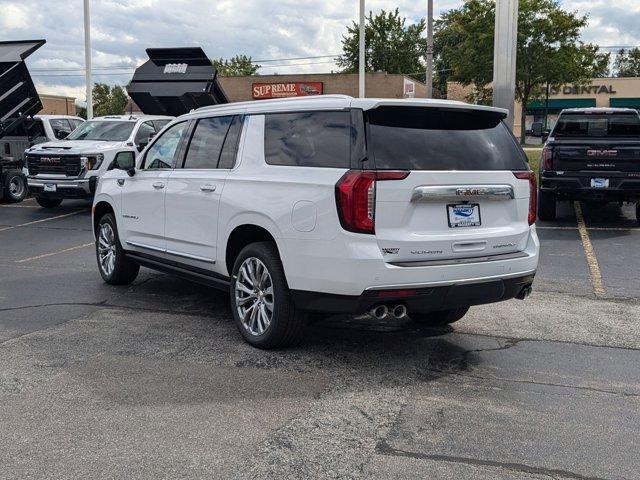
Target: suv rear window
<point>418,138</point>
<point>597,125</point>
<point>308,139</point>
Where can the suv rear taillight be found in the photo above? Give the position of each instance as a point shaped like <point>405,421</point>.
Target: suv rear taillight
<point>356,198</point>
<point>547,158</point>
<point>533,193</point>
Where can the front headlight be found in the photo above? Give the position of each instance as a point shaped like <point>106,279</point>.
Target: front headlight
<point>91,162</point>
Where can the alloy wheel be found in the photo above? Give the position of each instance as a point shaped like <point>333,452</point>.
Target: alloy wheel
<point>107,249</point>
<point>254,296</point>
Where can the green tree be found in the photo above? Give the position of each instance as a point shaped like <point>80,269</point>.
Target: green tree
<point>549,48</point>
<point>240,65</point>
<point>627,63</point>
<point>390,45</point>
<point>108,100</point>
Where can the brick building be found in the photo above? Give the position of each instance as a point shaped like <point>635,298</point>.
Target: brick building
<point>258,87</point>
<point>57,105</point>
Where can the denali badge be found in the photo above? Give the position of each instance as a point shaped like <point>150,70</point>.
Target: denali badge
<point>602,153</point>
<point>390,251</point>
<point>470,192</point>
<point>504,245</point>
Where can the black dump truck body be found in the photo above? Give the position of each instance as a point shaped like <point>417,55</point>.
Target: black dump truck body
<point>175,81</point>
<point>18,102</point>
<point>592,154</point>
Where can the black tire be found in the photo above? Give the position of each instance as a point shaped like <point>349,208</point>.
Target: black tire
<point>124,271</point>
<point>286,326</point>
<point>440,318</point>
<point>45,202</point>
<point>14,185</point>
<point>546,205</point>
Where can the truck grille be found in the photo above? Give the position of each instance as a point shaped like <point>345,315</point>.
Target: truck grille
<point>68,165</point>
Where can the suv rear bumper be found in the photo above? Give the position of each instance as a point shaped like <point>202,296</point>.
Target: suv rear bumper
<point>578,186</point>
<point>424,299</point>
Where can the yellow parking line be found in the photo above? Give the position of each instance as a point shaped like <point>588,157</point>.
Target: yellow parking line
<point>590,253</point>
<point>597,229</point>
<point>41,220</point>
<point>44,255</point>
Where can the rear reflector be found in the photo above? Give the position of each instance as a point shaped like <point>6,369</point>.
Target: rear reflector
<point>547,159</point>
<point>356,198</point>
<point>533,193</point>
<point>396,293</point>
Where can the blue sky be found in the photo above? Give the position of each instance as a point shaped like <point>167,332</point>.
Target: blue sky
<point>266,30</point>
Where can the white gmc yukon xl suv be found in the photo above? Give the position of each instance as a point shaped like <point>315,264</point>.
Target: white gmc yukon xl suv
<point>70,168</point>
<point>327,204</point>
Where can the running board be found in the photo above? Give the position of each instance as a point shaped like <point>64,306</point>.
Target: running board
<point>188,272</point>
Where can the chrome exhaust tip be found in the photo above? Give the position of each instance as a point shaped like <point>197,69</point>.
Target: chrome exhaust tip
<point>399,311</point>
<point>379,312</point>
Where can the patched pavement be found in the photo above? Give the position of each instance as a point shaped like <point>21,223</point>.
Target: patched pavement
<point>153,381</point>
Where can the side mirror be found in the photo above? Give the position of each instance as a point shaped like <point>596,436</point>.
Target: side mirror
<point>544,136</point>
<point>141,146</point>
<point>125,161</point>
<point>61,134</point>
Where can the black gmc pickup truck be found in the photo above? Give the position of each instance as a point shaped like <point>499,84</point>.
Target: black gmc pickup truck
<point>592,154</point>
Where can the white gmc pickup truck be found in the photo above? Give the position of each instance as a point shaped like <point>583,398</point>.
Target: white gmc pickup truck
<point>70,168</point>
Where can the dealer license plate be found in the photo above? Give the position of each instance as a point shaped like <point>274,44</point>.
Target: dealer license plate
<point>50,187</point>
<point>464,215</point>
<point>599,183</point>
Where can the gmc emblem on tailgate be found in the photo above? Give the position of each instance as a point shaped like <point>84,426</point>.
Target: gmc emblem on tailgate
<point>470,192</point>
<point>602,153</point>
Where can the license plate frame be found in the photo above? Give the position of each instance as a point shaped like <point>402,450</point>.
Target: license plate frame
<point>50,187</point>
<point>458,219</point>
<point>599,183</point>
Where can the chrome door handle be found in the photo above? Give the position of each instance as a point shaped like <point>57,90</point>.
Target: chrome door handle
<point>208,188</point>
<point>158,185</point>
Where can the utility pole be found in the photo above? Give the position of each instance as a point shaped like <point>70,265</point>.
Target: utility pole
<point>504,57</point>
<point>361,70</point>
<point>87,59</point>
<point>429,76</point>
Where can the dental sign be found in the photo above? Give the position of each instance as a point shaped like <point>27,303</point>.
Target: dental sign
<point>261,91</point>
<point>584,90</point>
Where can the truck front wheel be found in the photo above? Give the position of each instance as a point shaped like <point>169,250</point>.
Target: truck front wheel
<point>48,202</point>
<point>15,186</point>
<point>546,205</point>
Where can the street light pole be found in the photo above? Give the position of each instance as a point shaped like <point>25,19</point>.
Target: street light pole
<point>429,73</point>
<point>504,57</point>
<point>87,59</point>
<point>361,70</point>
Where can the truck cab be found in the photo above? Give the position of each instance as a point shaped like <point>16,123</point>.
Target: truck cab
<point>70,168</point>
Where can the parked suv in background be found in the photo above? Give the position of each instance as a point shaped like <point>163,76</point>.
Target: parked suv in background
<point>593,154</point>
<point>70,168</point>
<point>327,204</point>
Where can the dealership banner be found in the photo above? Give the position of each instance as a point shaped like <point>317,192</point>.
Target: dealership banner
<point>285,89</point>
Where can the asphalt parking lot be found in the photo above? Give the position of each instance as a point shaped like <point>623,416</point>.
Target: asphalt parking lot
<point>153,380</point>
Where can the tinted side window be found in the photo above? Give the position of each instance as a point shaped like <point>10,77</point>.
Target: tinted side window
<point>230,148</point>
<point>144,132</point>
<point>421,138</point>
<point>159,124</point>
<point>59,125</point>
<point>75,123</point>
<point>206,142</point>
<point>308,139</point>
<point>163,151</point>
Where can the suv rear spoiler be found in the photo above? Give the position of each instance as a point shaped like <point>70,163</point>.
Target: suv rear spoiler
<point>18,96</point>
<point>174,81</point>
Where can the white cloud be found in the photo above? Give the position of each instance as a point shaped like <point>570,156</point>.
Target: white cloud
<point>122,29</point>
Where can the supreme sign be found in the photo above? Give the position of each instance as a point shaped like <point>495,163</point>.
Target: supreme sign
<point>285,89</point>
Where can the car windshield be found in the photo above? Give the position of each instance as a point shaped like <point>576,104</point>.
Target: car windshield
<point>597,125</point>
<point>103,130</point>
